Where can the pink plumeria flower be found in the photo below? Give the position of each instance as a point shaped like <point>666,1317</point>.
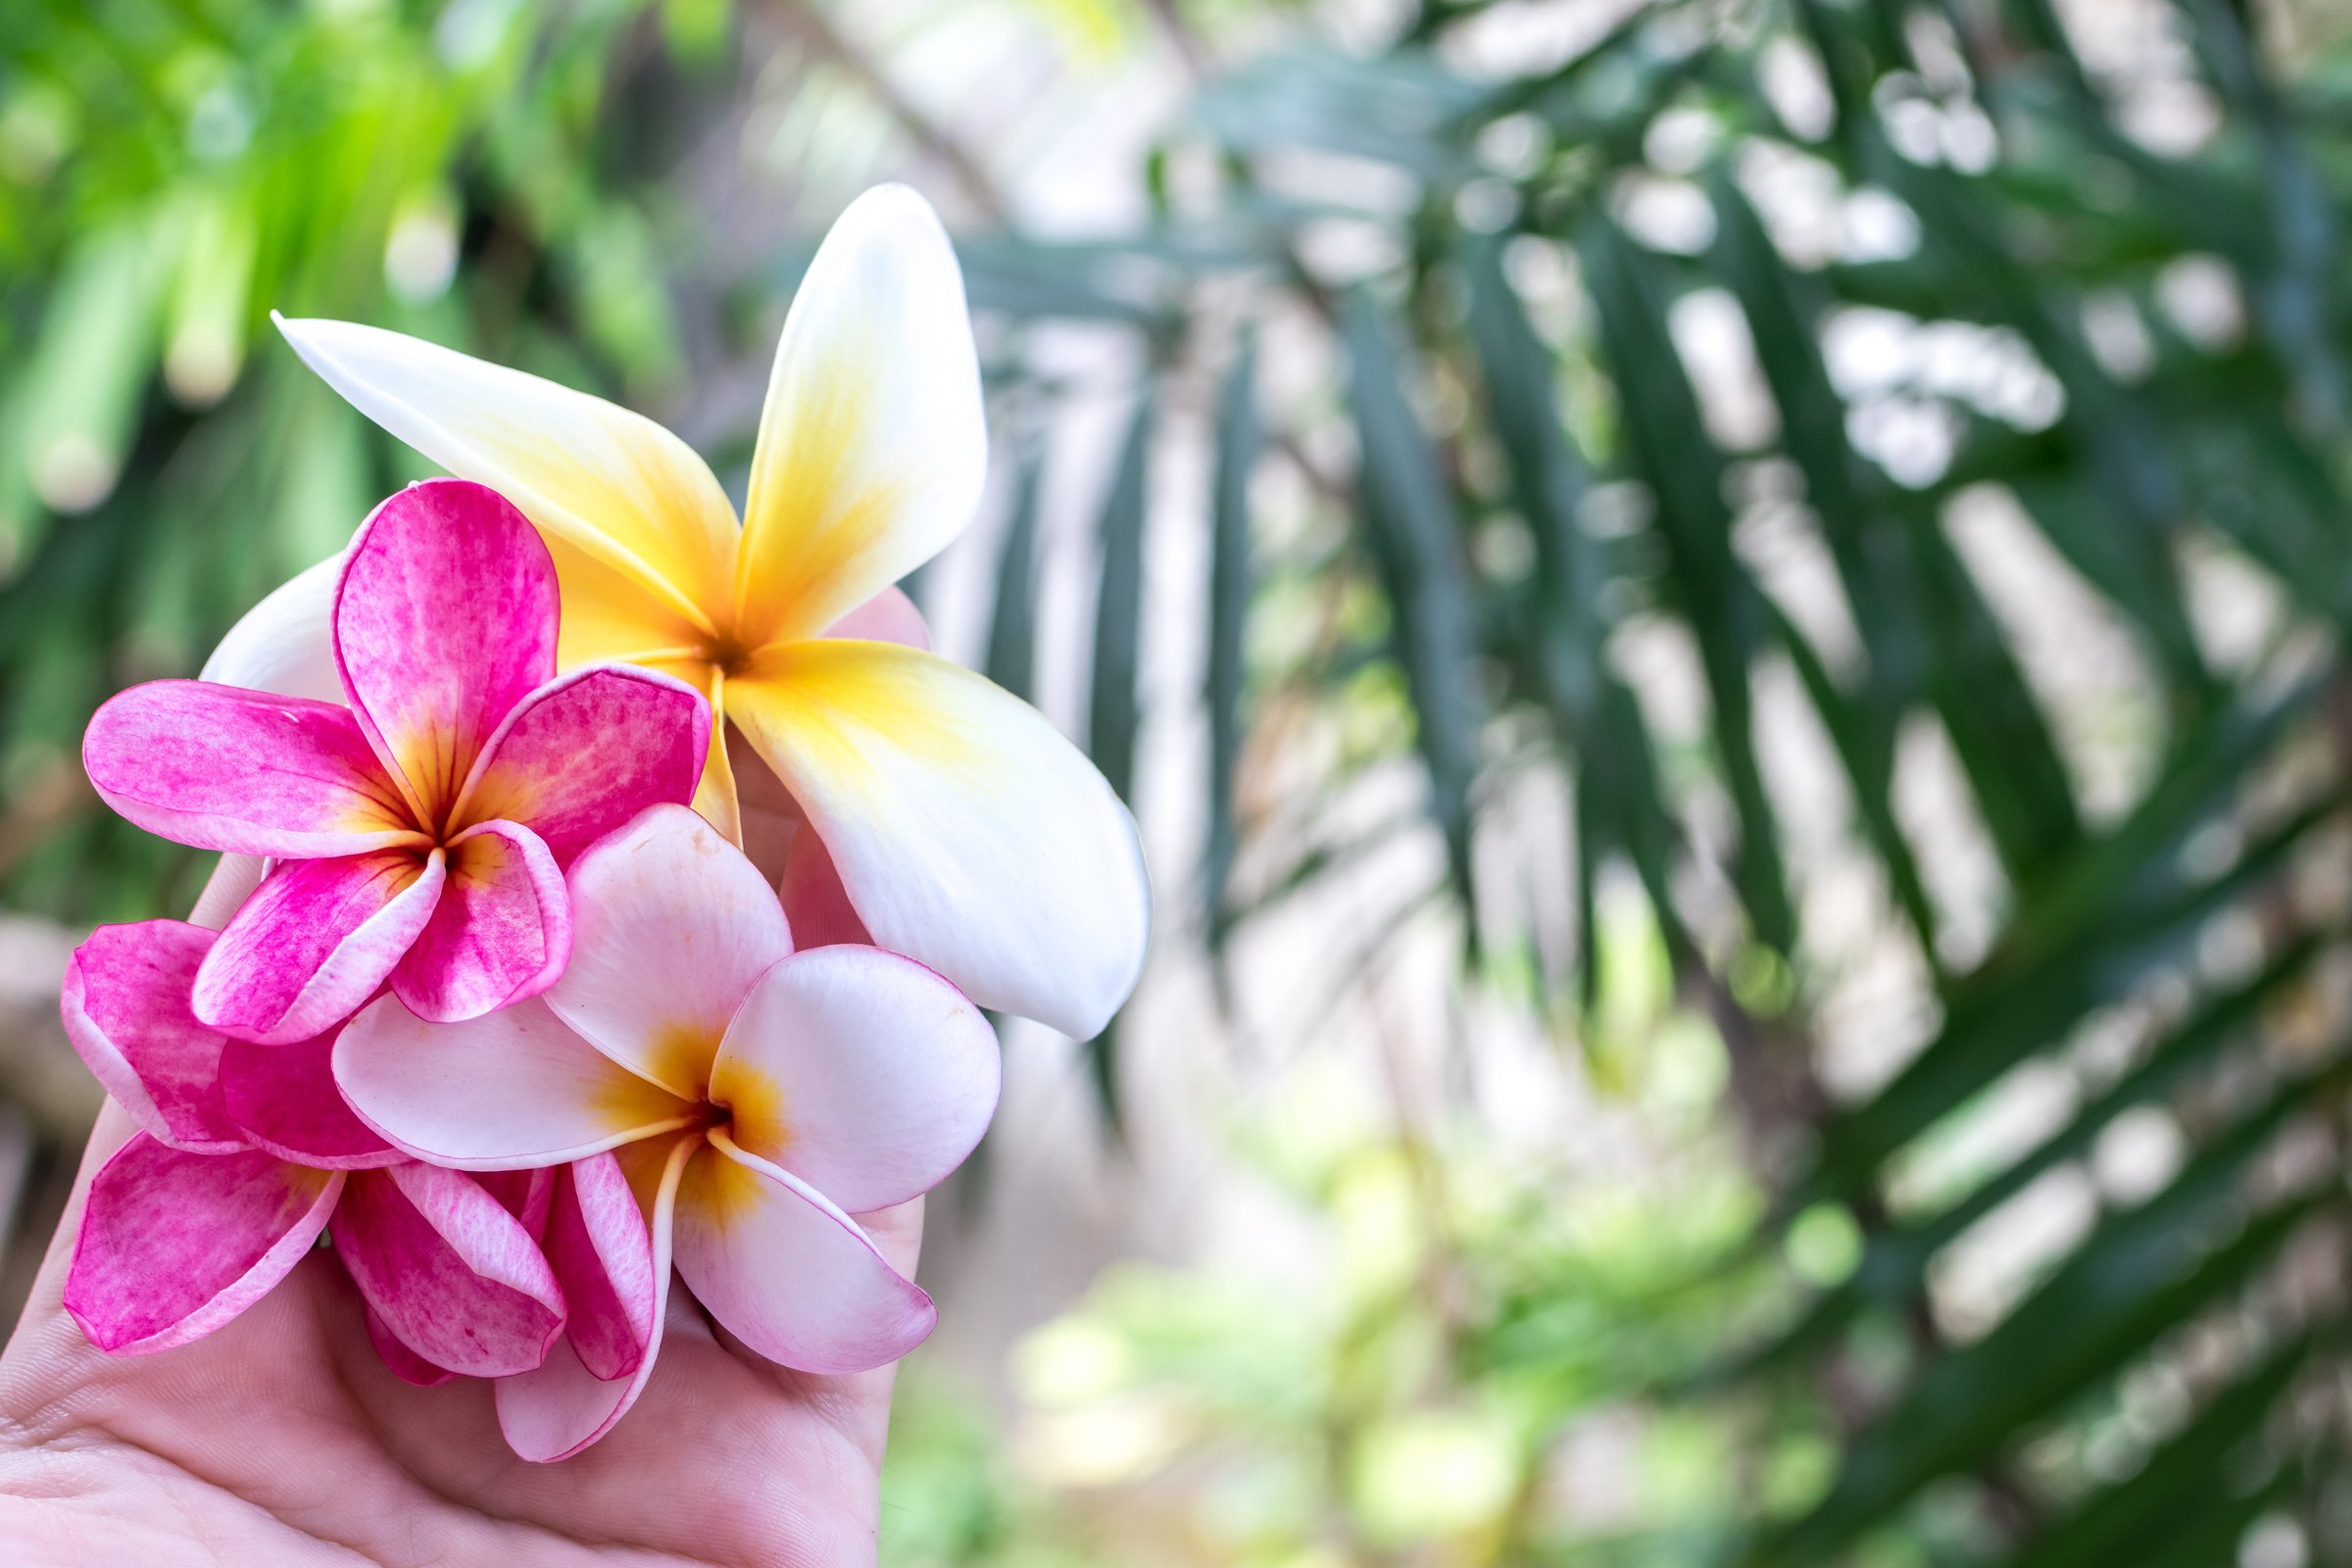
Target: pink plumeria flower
<point>245,1153</point>
<point>969,833</point>
<point>421,831</point>
<point>758,1097</point>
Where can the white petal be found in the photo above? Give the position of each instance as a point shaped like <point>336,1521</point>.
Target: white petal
<point>671,927</point>
<point>970,834</point>
<point>513,1089</point>
<point>285,644</point>
<point>862,1073</point>
<point>872,446</point>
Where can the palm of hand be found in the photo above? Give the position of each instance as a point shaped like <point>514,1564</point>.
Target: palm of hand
<point>282,1441</point>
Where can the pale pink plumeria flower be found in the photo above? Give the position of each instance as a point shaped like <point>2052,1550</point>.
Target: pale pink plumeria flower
<point>421,831</point>
<point>967,832</point>
<point>757,1096</point>
<point>245,1153</point>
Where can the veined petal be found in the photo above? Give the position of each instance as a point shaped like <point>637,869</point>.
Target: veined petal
<point>454,1276</point>
<point>406,1364</point>
<point>501,932</point>
<point>587,752</point>
<point>671,925</point>
<point>124,1003</point>
<point>223,768</point>
<point>970,834</point>
<point>174,1245</point>
<point>513,1088</point>
<point>314,942</point>
<point>286,643</point>
<point>558,1409</point>
<point>611,483</point>
<point>444,618</point>
<point>787,1272</point>
<point>872,446</point>
<point>604,1258</point>
<point>283,1099</point>
<point>862,1073</point>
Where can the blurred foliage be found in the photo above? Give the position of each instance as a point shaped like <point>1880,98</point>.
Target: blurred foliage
<point>476,172</point>
<point>1525,363</point>
<point>1724,337</point>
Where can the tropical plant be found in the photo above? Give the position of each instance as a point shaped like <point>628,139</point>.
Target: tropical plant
<point>1700,444</point>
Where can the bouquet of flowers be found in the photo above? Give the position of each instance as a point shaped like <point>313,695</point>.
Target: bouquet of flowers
<point>609,890</point>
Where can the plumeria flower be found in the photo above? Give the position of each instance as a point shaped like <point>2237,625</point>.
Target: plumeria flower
<point>421,831</point>
<point>245,1153</point>
<point>969,833</point>
<point>756,1096</point>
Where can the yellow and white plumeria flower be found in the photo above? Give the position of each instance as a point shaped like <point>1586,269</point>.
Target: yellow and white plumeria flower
<point>967,832</point>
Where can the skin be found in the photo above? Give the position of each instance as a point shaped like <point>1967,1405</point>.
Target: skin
<point>282,1441</point>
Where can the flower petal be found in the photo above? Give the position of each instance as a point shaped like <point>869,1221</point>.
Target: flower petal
<point>604,1258</point>
<point>671,925</point>
<point>554,1412</point>
<point>890,617</point>
<point>174,1245</point>
<point>584,754</point>
<point>787,1272</point>
<point>501,932</point>
<point>444,618</point>
<point>609,483</point>
<point>454,1276</point>
<point>124,1003</point>
<point>286,643</point>
<point>872,446</point>
<point>862,1073</point>
<point>223,768</point>
<point>971,835</point>
<point>511,1088</point>
<point>406,1364</point>
<point>815,904</point>
<point>314,942</point>
<point>283,1099</point>
<point>527,1195</point>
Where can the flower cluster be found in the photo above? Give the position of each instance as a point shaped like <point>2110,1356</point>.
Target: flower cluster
<point>507,1019</point>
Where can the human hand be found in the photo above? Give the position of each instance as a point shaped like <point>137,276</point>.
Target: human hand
<point>282,1441</point>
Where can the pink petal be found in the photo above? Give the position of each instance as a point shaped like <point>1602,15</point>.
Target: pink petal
<point>890,617</point>
<point>174,1245</point>
<point>527,1195</point>
<point>284,1098</point>
<point>586,752</point>
<point>787,1272</point>
<point>406,1364</point>
<point>223,768</point>
<point>815,904</point>
<point>514,1088</point>
<point>125,1008</point>
<point>314,942</point>
<point>604,1258</point>
<point>556,1411</point>
<point>454,1276</point>
<point>501,932</point>
<point>671,925</point>
<point>444,618</point>
<point>862,1073</point>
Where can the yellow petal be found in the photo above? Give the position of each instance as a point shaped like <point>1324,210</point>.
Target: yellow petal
<point>872,446</point>
<point>970,834</point>
<point>611,483</point>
